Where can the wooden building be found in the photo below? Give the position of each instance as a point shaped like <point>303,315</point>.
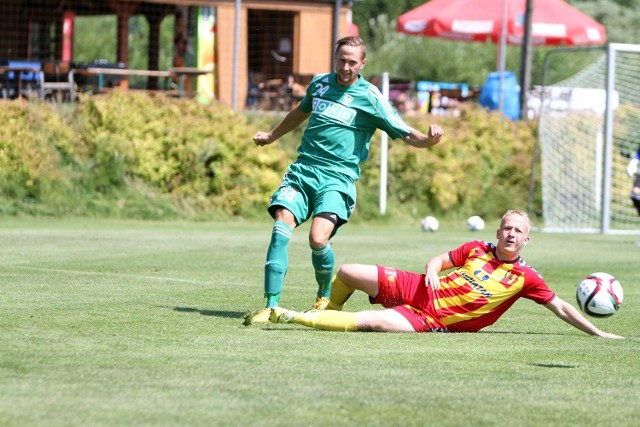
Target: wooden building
<point>277,38</point>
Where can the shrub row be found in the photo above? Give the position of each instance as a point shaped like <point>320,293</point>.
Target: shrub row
<point>151,156</point>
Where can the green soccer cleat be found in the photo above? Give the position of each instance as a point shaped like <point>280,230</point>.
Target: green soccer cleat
<point>258,316</point>
<point>280,315</point>
<point>319,305</point>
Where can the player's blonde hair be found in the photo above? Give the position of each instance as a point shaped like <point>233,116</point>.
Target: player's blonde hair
<point>352,41</point>
<point>518,212</point>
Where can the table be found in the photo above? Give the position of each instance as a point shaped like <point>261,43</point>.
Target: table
<point>180,72</point>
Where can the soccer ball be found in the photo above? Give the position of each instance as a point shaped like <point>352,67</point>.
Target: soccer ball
<point>475,223</point>
<point>599,295</point>
<point>430,223</point>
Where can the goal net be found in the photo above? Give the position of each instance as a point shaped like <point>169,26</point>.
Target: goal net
<point>589,128</point>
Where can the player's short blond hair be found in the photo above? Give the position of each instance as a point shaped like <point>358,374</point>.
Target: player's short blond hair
<point>518,212</point>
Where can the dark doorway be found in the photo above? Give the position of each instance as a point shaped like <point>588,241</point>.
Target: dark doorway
<point>271,43</point>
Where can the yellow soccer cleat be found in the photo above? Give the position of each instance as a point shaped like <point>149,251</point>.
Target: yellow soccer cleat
<point>259,316</point>
<point>280,315</point>
<point>319,305</point>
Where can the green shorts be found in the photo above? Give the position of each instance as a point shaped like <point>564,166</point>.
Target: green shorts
<point>307,191</point>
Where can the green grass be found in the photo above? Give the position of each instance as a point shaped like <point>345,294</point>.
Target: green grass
<point>140,323</point>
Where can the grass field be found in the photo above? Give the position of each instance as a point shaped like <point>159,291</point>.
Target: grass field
<point>136,323</point>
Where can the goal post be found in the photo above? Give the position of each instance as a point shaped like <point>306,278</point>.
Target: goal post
<point>589,126</point>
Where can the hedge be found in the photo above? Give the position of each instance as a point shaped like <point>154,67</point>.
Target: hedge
<point>137,155</point>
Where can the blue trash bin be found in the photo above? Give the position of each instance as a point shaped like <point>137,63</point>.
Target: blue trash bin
<point>489,95</point>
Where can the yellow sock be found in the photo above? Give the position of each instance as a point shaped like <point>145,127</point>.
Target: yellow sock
<point>331,320</point>
<point>340,293</point>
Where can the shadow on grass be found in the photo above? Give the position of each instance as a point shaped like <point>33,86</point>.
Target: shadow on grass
<point>216,313</point>
<point>554,365</point>
<point>559,334</point>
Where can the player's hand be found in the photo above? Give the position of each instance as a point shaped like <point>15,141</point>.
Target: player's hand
<point>610,336</point>
<point>432,280</point>
<point>632,168</point>
<point>435,133</point>
<point>262,138</point>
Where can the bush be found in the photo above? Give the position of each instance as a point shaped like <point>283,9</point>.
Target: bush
<point>481,167</point>
<point>32,169</point>
<point>150,156</point>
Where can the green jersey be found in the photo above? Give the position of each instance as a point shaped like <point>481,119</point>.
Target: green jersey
<point>342,122</point>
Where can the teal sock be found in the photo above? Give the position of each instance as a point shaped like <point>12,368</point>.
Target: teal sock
<point>323,260</point>
<point>275,268</point>
<point>272,300</point>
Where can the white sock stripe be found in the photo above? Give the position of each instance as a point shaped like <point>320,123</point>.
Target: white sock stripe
<point>282,230</point>
<point>323,250</point>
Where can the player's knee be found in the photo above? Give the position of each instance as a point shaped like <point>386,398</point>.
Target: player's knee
<point>347,273</point>
<point>318,240</point>
<point>284,215</point>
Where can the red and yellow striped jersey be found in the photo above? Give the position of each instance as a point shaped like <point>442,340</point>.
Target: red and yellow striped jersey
<point>482,288</point>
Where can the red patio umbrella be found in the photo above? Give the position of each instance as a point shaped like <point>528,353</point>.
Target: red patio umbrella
<point>554,22</point>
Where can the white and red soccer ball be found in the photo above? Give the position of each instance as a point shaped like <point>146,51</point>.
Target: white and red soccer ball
<point>599,295</point>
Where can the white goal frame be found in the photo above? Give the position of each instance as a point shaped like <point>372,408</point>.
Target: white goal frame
<point>584,186</point>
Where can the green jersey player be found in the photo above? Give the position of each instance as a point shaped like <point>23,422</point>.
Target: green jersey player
<point>344,110</point>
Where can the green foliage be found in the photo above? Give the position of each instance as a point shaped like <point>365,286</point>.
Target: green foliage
<point>139,47</point>
<point>98,41</point>
<point>482,166</point>
<point>30,166</point>
<point>138,155</point>
<point>114,152</point>
<point>99,36</point>
<point>627,121</point>
<point>201,155</point>
<point>621,18</point>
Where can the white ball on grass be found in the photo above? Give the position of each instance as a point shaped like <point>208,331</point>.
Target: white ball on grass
<point>430,223</point>
<point>475,223</point>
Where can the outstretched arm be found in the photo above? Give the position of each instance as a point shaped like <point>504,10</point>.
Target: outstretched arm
<point>569,314</point>
<point>420,140</point>
<point>292,120</point>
